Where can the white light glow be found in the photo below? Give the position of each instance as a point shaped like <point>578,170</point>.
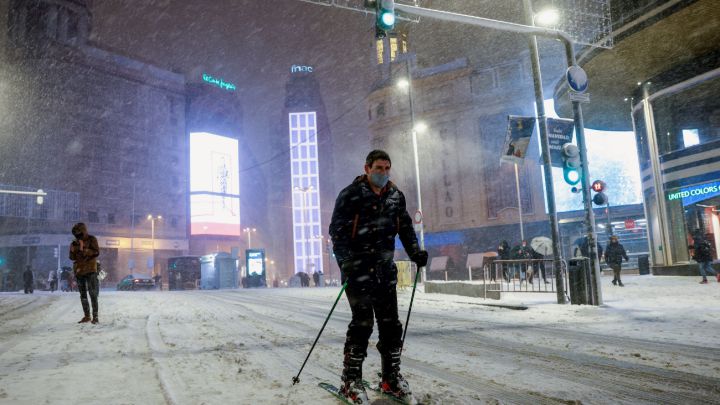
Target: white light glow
<point>547,18</point>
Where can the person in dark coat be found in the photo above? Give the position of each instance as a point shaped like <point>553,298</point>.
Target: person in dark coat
<point>28,280</point>
<point>316,279</point>
<point>84,251</point>
<point>504,254</point>
<point>614,254</point>
<point>539,266</point>
<point>703,255</point>
<point>521,252</point>
<point>368,215</point>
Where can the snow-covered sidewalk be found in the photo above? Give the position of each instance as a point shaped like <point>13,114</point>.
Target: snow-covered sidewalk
<point>653,341</point>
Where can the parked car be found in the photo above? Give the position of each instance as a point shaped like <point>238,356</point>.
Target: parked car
<point>133,282</point>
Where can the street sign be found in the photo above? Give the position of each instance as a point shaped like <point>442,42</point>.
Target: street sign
<point>579,97</point>
<point>418,218</point>
<point>629,224</point>
<point>576,78</point>
<point>560,132</point>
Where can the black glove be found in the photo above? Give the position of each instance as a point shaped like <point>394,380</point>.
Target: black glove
<point>420,258</point>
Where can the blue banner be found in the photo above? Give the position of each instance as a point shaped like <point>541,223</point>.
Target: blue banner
<point>693,194</point>
<point>560,132</point>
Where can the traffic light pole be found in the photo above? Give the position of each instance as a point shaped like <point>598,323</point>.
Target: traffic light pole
<point>577,117</point>
<point>547,164</point>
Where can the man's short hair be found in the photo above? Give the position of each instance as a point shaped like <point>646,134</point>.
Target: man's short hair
<point>377,154</point>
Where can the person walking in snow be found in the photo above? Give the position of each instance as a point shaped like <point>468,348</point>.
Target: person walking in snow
<point>52,280</point>
<point>614,254</point>
<point>28,280</point>
<point>504,254</point>
<point>368,214</point>
<point>84,251</point>
<point>703,255</point>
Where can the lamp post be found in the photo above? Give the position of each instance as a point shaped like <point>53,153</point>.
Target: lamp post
<point>152,220</point>
<point>249,232</point>
<point>414,129</point>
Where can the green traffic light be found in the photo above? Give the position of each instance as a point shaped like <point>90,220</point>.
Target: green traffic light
<point>572,176</point>
<point>387,20</point>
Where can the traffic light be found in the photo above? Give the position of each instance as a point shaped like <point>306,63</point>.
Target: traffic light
<point>384,16</point>
<point>55,252</point>
<point>571,163</point>
<point>598,186</point>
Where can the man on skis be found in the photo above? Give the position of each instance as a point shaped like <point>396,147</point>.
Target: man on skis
<point>368,214</point>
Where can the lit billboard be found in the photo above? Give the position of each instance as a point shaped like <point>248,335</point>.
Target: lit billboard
<point>214,185</point>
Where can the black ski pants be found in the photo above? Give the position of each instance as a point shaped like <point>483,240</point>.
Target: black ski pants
<point>372,294</point>
<point>88,283</point>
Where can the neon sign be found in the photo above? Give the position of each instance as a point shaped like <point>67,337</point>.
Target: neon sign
<point>218,82</point>
<point>301,69</point>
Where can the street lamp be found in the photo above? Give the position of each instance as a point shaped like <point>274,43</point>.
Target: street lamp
<point>415,128</point>
<point>249,232</point>
<point>548,17</point>
<point>152,220</point>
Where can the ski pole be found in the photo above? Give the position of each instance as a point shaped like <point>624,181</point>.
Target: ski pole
<point>296,379</point>
<point>412,297</point>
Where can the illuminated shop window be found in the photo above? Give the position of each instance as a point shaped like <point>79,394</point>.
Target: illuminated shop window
<point>305,189</point>
<point>691,137</point>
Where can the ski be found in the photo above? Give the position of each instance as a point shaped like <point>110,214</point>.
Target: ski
<point>335,391</point>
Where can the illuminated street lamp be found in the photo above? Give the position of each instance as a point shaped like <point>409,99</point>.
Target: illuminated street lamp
<point>548,17</point>
<point>249,232</point>
<point>415,128</point>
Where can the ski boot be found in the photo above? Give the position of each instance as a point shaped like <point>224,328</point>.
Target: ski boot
<point>392,382</point>
<point>352,387</point>
<point>354,392</point>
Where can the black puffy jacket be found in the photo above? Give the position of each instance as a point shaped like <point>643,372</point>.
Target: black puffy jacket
<point>614,253</point>
<point>364,224</point>
<point>703,251</point>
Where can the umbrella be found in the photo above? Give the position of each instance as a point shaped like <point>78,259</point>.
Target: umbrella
<point>542,245</point>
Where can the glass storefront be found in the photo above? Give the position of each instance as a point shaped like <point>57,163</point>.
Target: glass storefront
<point>685,138</point>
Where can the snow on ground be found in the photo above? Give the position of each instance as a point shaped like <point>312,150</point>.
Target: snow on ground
<point>653,341</point>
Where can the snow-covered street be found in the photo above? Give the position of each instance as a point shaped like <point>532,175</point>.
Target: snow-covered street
<point>654,341</point>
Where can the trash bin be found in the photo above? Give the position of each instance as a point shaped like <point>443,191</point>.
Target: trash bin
<point>579,281</point>
<point>644,265</point>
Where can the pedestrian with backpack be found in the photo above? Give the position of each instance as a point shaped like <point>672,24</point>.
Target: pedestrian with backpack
<point>703,255</point>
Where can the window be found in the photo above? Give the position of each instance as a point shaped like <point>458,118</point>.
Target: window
<point>380,46</point>
<point>110,218</point>
<point>691,137</point>
<point>93,217</point>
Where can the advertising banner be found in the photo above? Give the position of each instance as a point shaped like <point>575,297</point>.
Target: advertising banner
<point>255,265</point>
<point>560,132</point>
<point>214,185</point>
<point>517,138</point>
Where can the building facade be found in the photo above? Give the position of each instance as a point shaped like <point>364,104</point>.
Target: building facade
<point>666,93</point>
<point>102,133</point>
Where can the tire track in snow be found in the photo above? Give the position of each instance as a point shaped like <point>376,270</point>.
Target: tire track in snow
<point>486,388</point>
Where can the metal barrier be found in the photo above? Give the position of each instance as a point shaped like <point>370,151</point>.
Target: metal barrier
<point>531,275</point>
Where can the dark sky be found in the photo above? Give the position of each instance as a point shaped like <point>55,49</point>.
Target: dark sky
<point>253,44</point>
